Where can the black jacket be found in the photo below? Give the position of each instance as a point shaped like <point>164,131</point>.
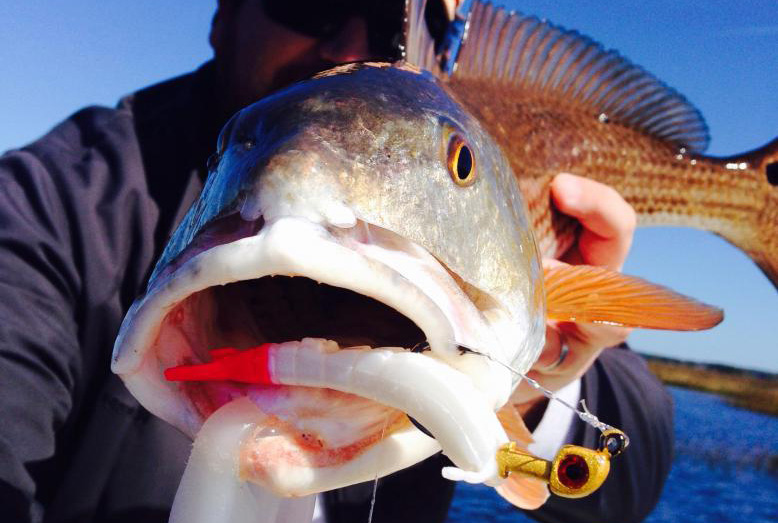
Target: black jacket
<point>84,213</point>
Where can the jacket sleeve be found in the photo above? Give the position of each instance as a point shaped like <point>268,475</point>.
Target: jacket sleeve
<point>66,219</point>
<point>622,392</point>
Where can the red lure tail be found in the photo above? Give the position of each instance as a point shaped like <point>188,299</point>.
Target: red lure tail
<point>228,364</point>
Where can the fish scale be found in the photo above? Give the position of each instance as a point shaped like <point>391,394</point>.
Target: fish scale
<point>692,190</point>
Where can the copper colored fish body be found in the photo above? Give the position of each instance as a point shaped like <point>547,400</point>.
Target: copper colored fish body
<point>556,101</point>
<point>665,183</point>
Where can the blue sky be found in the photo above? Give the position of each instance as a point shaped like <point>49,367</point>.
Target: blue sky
<point>722,55</point>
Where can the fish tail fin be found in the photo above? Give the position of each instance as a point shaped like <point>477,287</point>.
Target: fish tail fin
<point>586,294</point>
<point>768,166</point>
<point>769,155</point>
<point>766,162</point>
<point>762,246</point>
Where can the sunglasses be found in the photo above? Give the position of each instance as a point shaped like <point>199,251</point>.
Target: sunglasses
<point>326,18</point>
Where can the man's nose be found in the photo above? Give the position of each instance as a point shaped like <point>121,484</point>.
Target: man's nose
<point>350,44</point>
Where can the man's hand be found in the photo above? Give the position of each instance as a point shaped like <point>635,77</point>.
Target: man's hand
<point>608,224</point>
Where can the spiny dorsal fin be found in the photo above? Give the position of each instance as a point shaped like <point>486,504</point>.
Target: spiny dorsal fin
<point>540,57</point>
<point>419,45</point>
<point>586,294</point>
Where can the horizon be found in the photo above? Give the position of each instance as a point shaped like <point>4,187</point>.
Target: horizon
<point>721,56</point>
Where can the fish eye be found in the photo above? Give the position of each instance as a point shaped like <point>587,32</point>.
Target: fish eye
<point>461,162</point>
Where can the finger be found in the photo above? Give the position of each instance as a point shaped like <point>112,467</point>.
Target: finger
<point>582,351</point>
<point>551,350</point>
<point>587,340</point>
<point>597,206</point>
<point>608,220</point>
<point>584,342</point>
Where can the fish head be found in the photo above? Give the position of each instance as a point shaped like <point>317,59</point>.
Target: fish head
<point>367,226</point>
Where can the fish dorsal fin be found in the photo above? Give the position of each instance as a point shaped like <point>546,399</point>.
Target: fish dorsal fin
<point>522,491</point>
<point>419,47</point>
<point>586,294</point>
<point>546,60</point>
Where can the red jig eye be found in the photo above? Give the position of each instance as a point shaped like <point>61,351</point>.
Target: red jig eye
<point>573,471</point>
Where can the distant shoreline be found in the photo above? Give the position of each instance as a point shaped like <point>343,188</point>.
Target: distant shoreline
<point>753,390</point>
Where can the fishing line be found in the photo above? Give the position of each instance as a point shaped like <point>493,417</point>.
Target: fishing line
<point>583,412</point>
<point>375,480</point>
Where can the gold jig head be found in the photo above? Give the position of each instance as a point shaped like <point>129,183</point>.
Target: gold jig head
<point>575,471</point>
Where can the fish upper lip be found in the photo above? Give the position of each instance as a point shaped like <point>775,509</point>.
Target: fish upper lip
<point>239,260</point>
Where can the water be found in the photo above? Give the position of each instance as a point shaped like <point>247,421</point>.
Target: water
<point>719,474</point>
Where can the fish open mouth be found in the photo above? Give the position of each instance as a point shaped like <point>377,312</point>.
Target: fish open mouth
<point>276,309</point>
<point>312,426</point>
<point>359,344</point>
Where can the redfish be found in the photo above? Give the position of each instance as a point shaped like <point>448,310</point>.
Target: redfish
<point>369,230</point>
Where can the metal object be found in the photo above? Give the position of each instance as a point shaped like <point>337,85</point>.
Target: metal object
<point>575,472</point>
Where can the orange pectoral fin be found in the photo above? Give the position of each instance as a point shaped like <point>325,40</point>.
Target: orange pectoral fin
<point>586,294</point>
